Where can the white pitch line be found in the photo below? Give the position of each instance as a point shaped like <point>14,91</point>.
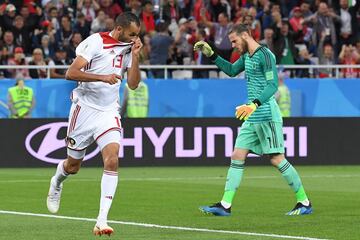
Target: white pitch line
<point>176,178</point>
<point>147,225</point>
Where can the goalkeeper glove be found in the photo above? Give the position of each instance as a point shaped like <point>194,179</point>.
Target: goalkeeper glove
<point>243,112</point>
<point>204,47</point>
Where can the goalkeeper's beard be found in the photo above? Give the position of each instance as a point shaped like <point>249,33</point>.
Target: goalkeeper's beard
<point>244,47</point>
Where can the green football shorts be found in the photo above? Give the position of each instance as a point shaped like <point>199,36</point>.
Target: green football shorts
<point>261,138</point>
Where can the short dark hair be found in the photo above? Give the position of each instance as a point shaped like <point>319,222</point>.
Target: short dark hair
<point>224,14</point>
<point>202,32</point>
<point>162,26</point>
<point>125,19</point>
<point>240,28</point>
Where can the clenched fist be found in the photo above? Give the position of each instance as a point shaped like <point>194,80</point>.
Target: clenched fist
<point>204,47</point>
<point>111,78</point>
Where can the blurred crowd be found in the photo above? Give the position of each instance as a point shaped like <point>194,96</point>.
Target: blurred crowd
<point>312,32</point>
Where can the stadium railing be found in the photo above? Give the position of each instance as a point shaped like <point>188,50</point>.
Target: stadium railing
<point>165,68</point>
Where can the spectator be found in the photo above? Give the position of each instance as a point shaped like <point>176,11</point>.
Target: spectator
<point>239,14</point>
<point>323,20</point>
<point>348,16</point>
<point>326,57</point>
<point>99,24</point>
<point>46,28</point>
<point>200,58</point>
<point>305,9</point>
<point>21,34</point>
<point>218,6</point>
<point>283,97</point>
<point>88,8</point>
<point>147,17</point>
<point>7,19</point>
<point>296,23</point>
<point>268,38</point>
<point>171,11</point>
<point>286,6</point>
<point>234,8</point>
<point>255,26</point>
<point>82,26</point>
<point>146,49</point>
<point>8,40</point>
<point>284,47</point>
<point>53,15</point>
<point>38,60</point>
<point>221,32</point>
<point>110,8</point>
<point>19,60</point>
<point>160,44</point>
<point>76,39</point>
<point>47,47</point>
<point>4,58</point>
<point>304,58</point>
<point>59,59</point>
<point>134,6</point>
<point>186,8</point>
<point>31,20</point>
<point>358,46</point>
<point>65,9</point>
<point>109,24</point>
<point>349,56</point>
<point>135,103</point>
<point>255,23</point>
<point>271,15</point>
<point>21,100</point>
<point>64,34</point>
<point>200,11</point>
<point>183,47</point>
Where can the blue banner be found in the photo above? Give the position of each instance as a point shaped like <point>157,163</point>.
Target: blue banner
<point>205,97</point>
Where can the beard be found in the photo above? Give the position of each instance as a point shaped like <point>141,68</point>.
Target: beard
<point>123,38</point>
<point>244,47</point>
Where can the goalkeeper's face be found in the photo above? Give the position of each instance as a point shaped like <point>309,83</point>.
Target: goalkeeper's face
<point>239,42</point>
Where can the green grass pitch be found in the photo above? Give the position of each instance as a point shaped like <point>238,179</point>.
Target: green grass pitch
<point>170,196</point>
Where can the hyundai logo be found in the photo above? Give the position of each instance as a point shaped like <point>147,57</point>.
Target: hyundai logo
<point>50,142</point>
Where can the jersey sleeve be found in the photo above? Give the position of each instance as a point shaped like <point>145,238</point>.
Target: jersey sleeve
<point>269,71</point>
<point>231,69</point>
<point>90,47</point>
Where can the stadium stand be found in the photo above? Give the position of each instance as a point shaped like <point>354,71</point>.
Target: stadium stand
<point>298,32</point>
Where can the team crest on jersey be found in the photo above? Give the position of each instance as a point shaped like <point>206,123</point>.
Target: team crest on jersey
<point>254,65</point>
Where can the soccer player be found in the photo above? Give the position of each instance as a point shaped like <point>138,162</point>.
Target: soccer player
<point>100,64</point>
<point>261,133</point>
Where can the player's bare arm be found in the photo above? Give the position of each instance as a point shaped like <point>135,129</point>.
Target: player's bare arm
<point>75,73</point>
<point>134,75</point>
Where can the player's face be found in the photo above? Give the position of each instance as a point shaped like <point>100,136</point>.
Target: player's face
<point>129,34</point>
<point>238,42</point>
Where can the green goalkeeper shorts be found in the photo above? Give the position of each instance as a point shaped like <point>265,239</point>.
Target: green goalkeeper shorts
<point>261,138</point>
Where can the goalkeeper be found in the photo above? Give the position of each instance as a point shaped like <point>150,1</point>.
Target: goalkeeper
<point>261,133</point>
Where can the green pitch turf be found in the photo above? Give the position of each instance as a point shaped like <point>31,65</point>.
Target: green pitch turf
<point>171,197</point>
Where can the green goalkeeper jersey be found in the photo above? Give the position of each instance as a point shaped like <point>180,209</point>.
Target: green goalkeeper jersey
<point>262,81</point>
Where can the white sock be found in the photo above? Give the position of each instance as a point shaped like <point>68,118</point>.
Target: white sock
<point>60,174</point>
<point>225,204</point>
<point>305,202</point>
<point>109,182</point>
